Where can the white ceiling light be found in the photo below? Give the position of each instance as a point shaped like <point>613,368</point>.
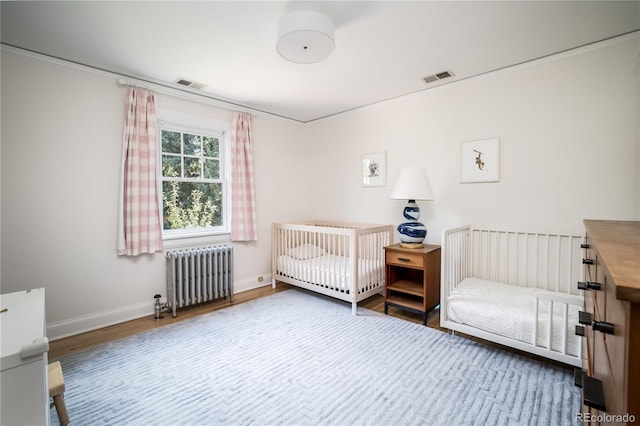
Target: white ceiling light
<point>305,37</point>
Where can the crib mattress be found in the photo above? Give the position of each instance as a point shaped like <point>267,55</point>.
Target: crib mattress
<point>508,311</point>
<point>331,271</point>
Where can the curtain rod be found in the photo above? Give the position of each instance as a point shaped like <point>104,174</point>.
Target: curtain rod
<point>169,90</point>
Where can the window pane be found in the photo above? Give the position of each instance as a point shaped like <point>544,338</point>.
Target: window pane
<point>211,169</point>
<point>171,142</point>
<point>192,167</point>
<point>192,144</point>
<point>171,165</point>
<point>211,147</point>
<point>191,205</point>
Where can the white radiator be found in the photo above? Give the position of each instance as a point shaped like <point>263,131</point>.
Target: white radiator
<point>199,275</point>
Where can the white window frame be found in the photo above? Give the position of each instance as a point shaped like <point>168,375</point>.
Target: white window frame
<point>186,123</point>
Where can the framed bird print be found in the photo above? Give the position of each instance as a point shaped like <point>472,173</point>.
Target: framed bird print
<point>374,171</point>
<point>480,161</point>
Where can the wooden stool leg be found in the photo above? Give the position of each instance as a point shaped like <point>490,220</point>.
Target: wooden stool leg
<point>61,409</point>
<point>56,390</point>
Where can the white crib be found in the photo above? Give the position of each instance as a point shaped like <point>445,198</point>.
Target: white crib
<point>517,289</point>
<point>341,260</point>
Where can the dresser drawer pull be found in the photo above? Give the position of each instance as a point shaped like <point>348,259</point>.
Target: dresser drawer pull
<point>601,326</point>
<point>577,377</point>
<point>592,393</point>
<point>584,318</point>
<point>404,259</point>
<point>587,261</point>
<point>589,285</point>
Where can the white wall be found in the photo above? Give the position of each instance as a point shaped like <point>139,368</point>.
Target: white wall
<point>569,150</point>
<point>568,129</point>
<point>61,153</point>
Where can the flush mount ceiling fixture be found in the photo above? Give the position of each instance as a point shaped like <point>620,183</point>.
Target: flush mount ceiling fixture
<point>305,37</point>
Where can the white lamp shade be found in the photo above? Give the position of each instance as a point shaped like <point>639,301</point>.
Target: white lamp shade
<point>305,37</point>
<point>412,184</point>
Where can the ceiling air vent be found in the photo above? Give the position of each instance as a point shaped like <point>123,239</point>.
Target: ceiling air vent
<point>439,76</point>
<point>189,83</point>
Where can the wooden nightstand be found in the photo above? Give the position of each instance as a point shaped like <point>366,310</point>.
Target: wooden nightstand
<point>413,279</point>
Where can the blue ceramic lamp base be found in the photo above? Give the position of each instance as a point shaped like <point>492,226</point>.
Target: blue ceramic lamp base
<point>412,233</point>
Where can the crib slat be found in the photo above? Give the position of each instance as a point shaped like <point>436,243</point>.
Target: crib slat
<point>559,261</point>
<point>565,326</point>
<point>550,325</point>
<point>517,261</point>
<point>536,322</point>
<point>549,262</point>
<point>497,271</point>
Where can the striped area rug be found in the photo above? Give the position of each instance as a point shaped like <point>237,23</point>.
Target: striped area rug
<point>296,358</point>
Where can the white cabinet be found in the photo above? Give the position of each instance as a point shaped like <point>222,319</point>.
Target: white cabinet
<point>24,391</point>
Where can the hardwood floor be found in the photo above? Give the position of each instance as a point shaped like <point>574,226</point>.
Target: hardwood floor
<point>91,339</point>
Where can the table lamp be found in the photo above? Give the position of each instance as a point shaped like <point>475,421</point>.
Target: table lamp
<point>412,184</point>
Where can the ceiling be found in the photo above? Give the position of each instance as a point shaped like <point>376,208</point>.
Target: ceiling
<point>383,49</point>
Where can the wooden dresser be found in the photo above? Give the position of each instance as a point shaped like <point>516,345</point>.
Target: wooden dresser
<point>610,377</point>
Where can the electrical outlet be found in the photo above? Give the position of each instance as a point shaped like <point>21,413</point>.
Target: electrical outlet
<point>260,278</point>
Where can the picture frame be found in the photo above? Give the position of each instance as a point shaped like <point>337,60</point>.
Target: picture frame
<point>480,161</point>
<point>374,169</point>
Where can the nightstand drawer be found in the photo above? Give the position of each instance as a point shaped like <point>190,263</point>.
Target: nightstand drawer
<point>405,259</point>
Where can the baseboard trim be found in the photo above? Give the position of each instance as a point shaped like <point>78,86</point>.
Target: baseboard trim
<point>82,324</point>
<point>72,326</point>
<point>251,284</point>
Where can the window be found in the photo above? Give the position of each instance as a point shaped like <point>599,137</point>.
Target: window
<point>193,175</point>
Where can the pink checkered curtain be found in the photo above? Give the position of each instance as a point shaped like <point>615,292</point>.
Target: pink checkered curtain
<point>243,204</point>
<point>139,224</point>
